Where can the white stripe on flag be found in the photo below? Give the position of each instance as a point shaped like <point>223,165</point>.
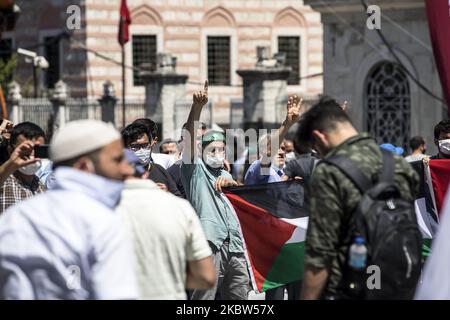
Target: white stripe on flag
<point>299,234</point>
<point>421,211</point>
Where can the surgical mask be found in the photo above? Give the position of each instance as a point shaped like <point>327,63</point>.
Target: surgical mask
<point>30,169</point>
<point>214,161</point>
<point>290,156</point>
<point>143,155</point>
<point>444,146</point>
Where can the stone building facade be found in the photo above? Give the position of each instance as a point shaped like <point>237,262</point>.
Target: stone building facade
<point>358,67</point>
<point>183,28</point>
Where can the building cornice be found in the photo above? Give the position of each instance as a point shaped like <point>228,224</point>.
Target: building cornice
<point>325,6</point>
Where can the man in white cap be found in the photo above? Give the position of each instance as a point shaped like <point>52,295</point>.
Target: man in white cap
<point>68,243</point>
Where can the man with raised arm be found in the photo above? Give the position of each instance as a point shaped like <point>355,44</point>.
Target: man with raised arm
<point>203,178</point>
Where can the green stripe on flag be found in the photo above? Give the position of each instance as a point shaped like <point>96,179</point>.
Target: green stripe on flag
<point>426,248</point>
<point>287,268</point>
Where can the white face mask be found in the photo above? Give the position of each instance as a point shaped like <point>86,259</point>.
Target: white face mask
<point>215,161</point>
<point>444,146</point>
<point>143,155</point>
<point>290,156</point>
<point>31,169</point>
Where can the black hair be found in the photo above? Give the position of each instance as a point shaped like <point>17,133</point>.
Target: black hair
<point>442,127</point>
<point>151,125</point>
<point>416,142</point>
<point>167,141</point>
<point>29,130</point>
<point>323,116</point>
<point>134,131</point>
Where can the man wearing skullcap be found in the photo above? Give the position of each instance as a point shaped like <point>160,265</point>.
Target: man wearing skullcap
<point>69,243</point>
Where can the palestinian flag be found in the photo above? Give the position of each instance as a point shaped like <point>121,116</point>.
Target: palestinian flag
<point>439,172</point>
<point>435,178</point>
<point>273,224</point>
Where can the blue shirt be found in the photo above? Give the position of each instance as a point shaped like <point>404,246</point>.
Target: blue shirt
<point>217,218</point>
<point>258,175</point>
<point>46,174</point>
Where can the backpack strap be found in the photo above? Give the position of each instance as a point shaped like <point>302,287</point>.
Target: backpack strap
<point>312,165</point>
<point>350,169</point>
<point>387,174</point>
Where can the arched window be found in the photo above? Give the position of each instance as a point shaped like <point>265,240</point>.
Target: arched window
<point>388,104</point>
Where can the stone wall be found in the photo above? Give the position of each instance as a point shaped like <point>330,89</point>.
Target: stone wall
<point>351,51</point>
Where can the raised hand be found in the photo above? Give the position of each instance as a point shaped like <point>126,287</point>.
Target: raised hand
<point>22,155</point>
<point>5,126</point>
<point>295,108</point>
<point>201,97</point>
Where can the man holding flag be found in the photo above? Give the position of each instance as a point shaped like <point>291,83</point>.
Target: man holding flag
<point>203,179</point>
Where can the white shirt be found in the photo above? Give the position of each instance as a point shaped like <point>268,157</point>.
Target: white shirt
<point>166,234</point>
<point>164,160</point>
<point>435,280</point>
<point>67,243</point>
<point>418,157</point>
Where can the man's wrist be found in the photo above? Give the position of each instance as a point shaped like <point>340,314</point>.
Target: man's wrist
<point>198,105</point>
<point>10,167</point>
<point>286,123</point>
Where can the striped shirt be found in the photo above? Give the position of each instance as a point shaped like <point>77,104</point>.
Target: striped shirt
<point>15,190</point>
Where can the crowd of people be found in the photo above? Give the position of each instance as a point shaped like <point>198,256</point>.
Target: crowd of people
<point>103,216</point>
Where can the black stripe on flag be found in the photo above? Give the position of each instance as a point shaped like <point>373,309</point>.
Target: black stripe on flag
<point>282,199</point>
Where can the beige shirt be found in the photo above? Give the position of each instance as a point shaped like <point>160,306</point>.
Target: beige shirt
<point>166,234</point>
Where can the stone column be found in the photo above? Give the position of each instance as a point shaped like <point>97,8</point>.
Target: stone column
<point>58,100</point>
<point>264,96</point>
<point>162,90</point>
<point>14,97</point>
<point>108,103</point>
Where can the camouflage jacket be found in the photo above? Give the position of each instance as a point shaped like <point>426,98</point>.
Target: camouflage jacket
<point>332,199</point>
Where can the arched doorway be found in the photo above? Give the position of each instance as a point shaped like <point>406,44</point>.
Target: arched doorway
<point>388,104</point>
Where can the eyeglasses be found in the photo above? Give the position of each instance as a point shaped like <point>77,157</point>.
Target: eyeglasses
<point>139,146</point>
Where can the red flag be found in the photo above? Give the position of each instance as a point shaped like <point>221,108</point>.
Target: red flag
<point>124,23</point>
<point>440,177</point>
<point>438,12</point>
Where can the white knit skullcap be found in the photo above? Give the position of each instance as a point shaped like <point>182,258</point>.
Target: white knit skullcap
<point>80,137</point>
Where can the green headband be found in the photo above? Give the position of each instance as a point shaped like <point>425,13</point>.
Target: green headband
<point>207,138</point>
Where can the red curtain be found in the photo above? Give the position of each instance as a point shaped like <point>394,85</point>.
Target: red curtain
<point>438,12</point>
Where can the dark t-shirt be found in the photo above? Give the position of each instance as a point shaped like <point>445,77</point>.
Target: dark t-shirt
<point>160,175</point>
<point>301,167</point>
<point>175,173</point>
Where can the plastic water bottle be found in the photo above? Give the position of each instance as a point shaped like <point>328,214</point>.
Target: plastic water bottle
<point>358,254</point>
<point>355,277</point>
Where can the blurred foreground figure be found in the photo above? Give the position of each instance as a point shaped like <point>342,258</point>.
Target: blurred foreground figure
<point>170,247</point>
<point>435,284</point>
<point>68,243</point>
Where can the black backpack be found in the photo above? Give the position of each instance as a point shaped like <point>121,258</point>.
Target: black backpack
<point>389,226</point>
